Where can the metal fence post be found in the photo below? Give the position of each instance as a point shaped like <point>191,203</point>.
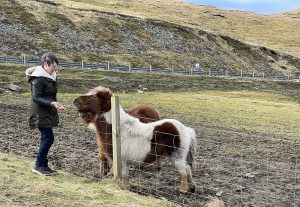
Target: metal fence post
<point>24,59</point>
<point>81,62</point>
<point>241,73</point>
<point>116,137</point>
<point>150,68</point>
<point>108,65</point>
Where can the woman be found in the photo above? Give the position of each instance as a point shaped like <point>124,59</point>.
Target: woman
<point>44,106</point>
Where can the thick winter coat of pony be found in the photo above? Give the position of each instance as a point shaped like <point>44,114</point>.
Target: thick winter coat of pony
<point>142,142</point>
<point>90,117</point>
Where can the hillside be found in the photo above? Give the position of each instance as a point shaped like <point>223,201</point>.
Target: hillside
<point>276,31</point>
<point>122,33</point>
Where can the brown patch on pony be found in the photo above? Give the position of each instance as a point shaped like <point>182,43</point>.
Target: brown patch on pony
<point>144,113</point>
<point>165,141</point>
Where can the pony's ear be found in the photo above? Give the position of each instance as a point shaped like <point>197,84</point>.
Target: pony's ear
<point>107,94</point>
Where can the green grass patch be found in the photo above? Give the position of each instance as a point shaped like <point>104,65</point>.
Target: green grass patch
<point>265,113</point>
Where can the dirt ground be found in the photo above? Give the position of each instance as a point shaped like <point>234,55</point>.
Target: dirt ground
<point>240,168</point>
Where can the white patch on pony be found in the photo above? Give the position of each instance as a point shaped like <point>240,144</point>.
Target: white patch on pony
<point>136,137</point>
<point>92,126</point>
<point>96,90</point>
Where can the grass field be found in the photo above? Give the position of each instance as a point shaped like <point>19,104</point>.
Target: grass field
<point>243,126</point>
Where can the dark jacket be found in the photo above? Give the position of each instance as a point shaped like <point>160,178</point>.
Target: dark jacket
<point>43,91</point>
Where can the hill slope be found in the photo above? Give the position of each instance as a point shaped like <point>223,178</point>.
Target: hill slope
<point>74,30</point>
<point>277,31</point>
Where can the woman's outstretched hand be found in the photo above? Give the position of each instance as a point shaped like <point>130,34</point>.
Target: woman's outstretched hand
<point>58,106</point>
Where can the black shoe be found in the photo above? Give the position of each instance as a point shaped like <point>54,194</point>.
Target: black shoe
<point>41,171</point>
<point>50,170</point>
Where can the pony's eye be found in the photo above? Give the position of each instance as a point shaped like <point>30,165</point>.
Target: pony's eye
<point>93,96</point>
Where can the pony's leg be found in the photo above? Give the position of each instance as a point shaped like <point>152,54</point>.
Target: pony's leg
<point>192,186</point>
<point>181,166</point>
<point>111,171</point>
<point>110,167</point>
<point>103,164</point>
<point>125,175</point>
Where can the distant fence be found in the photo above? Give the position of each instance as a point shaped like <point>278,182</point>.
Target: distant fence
<point>129,68</point>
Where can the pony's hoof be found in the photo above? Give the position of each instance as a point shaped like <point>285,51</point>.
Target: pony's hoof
<point>183,191</point>
<point>193,189</point>
<point>125,187</point>
<point>125,184</point>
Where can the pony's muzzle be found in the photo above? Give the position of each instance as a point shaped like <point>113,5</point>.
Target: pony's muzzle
<point>76,102</point>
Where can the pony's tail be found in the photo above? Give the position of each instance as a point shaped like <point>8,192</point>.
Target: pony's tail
<point>192,150</point>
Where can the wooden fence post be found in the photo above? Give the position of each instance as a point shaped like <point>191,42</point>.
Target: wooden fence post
<point>129,67</point>
<point>241,73</point>
<point>108,65</point>
<point>24,59</point>
<point>116,137</point>
<point>150,68</point>
<point>81,62</point>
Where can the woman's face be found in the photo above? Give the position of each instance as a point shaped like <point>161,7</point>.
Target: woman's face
<point>50,69</point>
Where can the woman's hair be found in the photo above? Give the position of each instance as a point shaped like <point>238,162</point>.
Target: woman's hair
<point>49,58</point>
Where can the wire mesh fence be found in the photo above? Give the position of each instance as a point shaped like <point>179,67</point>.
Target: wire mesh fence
<point>137,69</point>
<point>240,168</point>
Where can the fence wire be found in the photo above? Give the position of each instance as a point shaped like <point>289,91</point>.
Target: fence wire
<point>190,71</point>
<point>239,168</point>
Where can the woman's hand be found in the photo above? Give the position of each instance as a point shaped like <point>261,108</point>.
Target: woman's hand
<point>58,106</point>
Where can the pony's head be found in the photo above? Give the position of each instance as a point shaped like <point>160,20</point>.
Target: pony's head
<point>95,101</point>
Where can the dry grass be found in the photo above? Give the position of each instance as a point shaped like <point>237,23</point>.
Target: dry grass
<point>277,31</point>
<point>215,202</point>
<point>19,187</point>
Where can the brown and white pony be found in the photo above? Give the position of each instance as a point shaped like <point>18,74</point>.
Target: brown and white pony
<point>141,142</point>
<point>144,113</point>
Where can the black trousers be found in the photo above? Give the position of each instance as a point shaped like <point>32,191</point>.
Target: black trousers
<point>47,139</point>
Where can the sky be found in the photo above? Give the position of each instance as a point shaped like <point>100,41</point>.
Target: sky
<point>257,6</point>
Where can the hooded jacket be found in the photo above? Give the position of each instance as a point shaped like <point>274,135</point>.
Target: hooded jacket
<point>43,91</point>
